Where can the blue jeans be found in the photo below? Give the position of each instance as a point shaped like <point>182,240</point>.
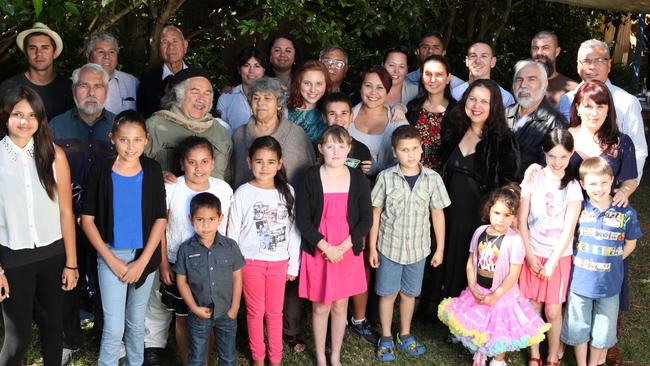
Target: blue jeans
<point>124,306</point>
<point>199,331</point>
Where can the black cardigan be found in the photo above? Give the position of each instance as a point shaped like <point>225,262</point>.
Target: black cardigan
<point>496,163</point>
<point>309,209</point>
<point>98,202</point>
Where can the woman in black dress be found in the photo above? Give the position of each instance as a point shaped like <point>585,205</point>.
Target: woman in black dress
<point>479,154</point>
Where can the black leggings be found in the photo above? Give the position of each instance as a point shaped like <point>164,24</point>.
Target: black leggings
<point>41,282</point>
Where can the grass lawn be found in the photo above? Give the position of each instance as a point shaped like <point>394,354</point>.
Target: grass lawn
<point>634,343</point>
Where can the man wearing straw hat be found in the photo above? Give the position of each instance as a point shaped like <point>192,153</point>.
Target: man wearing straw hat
<point>42,46</point>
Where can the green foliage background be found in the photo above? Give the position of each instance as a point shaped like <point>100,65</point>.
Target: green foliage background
<point>218,29</point>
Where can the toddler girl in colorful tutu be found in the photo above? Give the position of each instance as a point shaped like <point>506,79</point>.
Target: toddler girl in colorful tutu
<point>490,317</point>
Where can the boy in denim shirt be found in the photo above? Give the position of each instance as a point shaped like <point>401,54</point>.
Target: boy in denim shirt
<point>607,234</point>
<point>403,198</point>
<point>208,268</point>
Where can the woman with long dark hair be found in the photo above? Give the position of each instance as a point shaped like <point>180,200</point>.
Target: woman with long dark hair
<point>429,111</point>
<point>37,234</point>
<point>480,154</point>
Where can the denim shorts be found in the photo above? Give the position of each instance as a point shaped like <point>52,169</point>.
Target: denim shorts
<point>392,277</point>
<point>590,319</point>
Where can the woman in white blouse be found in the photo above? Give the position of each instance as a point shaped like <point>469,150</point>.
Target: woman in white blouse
<point>37,234</point>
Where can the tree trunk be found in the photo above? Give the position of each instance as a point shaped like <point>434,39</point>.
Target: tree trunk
<point>169,7</point>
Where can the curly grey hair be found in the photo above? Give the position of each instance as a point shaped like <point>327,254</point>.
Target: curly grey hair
<point>176,95</point>
<point>269,85</point>
<point>90,44</point>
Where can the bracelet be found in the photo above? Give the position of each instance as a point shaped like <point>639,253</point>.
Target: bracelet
<point>72,268</point>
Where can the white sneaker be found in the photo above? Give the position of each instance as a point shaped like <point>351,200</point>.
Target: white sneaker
<point>498,363</point>
<point>66,356</point>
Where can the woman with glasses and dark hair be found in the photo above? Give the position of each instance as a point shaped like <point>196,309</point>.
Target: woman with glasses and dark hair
<point>37,233</point>
<point>233,106</point>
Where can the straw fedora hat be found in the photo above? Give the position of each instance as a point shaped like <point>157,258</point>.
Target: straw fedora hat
<point>39,27</point>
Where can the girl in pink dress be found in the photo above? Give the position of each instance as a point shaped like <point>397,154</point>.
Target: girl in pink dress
<point>333,214</point>
<point>490,317</point>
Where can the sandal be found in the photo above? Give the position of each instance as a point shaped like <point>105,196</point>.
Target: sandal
<point>411,346</point>
<point>553,363</point>
<point>535,360</point>
<point>385,351</point>
<point>296,344</point>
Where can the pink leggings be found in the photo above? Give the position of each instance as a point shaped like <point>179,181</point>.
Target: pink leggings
<point>264,294</point>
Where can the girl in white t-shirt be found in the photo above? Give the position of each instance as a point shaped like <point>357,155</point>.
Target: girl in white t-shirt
<point>197,162</point>
<point>262,223</point>
<point>550,206</point>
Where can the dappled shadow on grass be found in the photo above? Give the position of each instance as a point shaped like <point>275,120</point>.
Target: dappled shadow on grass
<point>634,340</point>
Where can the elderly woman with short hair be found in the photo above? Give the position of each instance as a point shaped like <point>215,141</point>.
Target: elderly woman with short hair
<point>268,103</point>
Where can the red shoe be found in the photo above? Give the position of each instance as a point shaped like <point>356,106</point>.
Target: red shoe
<point>614,357</point>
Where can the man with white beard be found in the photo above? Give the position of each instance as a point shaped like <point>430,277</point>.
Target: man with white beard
<point>533,116</point>
<point>82,132</point>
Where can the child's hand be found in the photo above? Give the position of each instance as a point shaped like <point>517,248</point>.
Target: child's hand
<point>547,270</point>
<point>373,258</point>
<point>534,264</point>
<point>489,300</point>
<point>203,312</point>
<point>169,178</point>
<point>118,267</point>
<point>166,273</point>
<point>232,313</point>
<point>477,295</point>
<point>332,254</point>
<point>291,278</point>
<point>365,166</point>
<point>436,260</point>
<point>134,271</point>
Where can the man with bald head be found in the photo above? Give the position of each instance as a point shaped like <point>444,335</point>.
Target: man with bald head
<point>173,47</point>
<point>480,61</point>
<point>545,49</point>
<point>533,116</point>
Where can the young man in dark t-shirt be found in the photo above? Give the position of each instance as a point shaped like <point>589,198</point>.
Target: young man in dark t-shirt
<point>337,111</point>
<point>42,46</point>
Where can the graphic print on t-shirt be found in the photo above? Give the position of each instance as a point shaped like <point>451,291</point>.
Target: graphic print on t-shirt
<point>488,251</point>
<point>270,233</point>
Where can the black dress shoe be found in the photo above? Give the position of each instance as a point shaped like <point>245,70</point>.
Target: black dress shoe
<point>153,356</point>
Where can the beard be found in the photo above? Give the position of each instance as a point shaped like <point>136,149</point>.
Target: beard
<point>549,65</point>
<point>89,105</point>
<point>528,100</point>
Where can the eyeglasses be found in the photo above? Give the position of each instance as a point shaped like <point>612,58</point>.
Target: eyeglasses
<point>19,116</point>
<point>332,62</point>
<point>596,61</point>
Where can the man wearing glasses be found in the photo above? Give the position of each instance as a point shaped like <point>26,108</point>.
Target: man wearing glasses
<point>336,60</point>
<point>594,64</point>
<point>431,43</point>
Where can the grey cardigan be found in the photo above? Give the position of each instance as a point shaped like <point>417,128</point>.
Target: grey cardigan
<point>297,151</point>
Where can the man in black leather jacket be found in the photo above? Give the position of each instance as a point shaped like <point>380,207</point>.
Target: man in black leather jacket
<point>533,116</point>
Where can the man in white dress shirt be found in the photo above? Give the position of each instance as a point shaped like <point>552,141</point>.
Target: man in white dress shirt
<point>594,64</point>
<point>103,49</point>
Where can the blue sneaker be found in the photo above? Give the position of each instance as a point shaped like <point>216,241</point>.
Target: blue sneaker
<point>364,330</point>
<point>411,346</point>
<point>385,351</point>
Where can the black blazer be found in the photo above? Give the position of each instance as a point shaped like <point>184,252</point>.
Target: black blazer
<point>496,163</point>
<point>98,202</point>
<point>151,89</point>
<point>309,209</point>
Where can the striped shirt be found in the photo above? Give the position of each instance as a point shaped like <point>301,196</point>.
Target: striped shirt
<point>404,235</point>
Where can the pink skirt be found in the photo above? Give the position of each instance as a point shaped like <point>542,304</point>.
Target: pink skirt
<point>509,325</point>
<point>552,291</point>
<point>326,282</point>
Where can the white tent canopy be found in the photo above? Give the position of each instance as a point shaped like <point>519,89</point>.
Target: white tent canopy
<point>634,6</point>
